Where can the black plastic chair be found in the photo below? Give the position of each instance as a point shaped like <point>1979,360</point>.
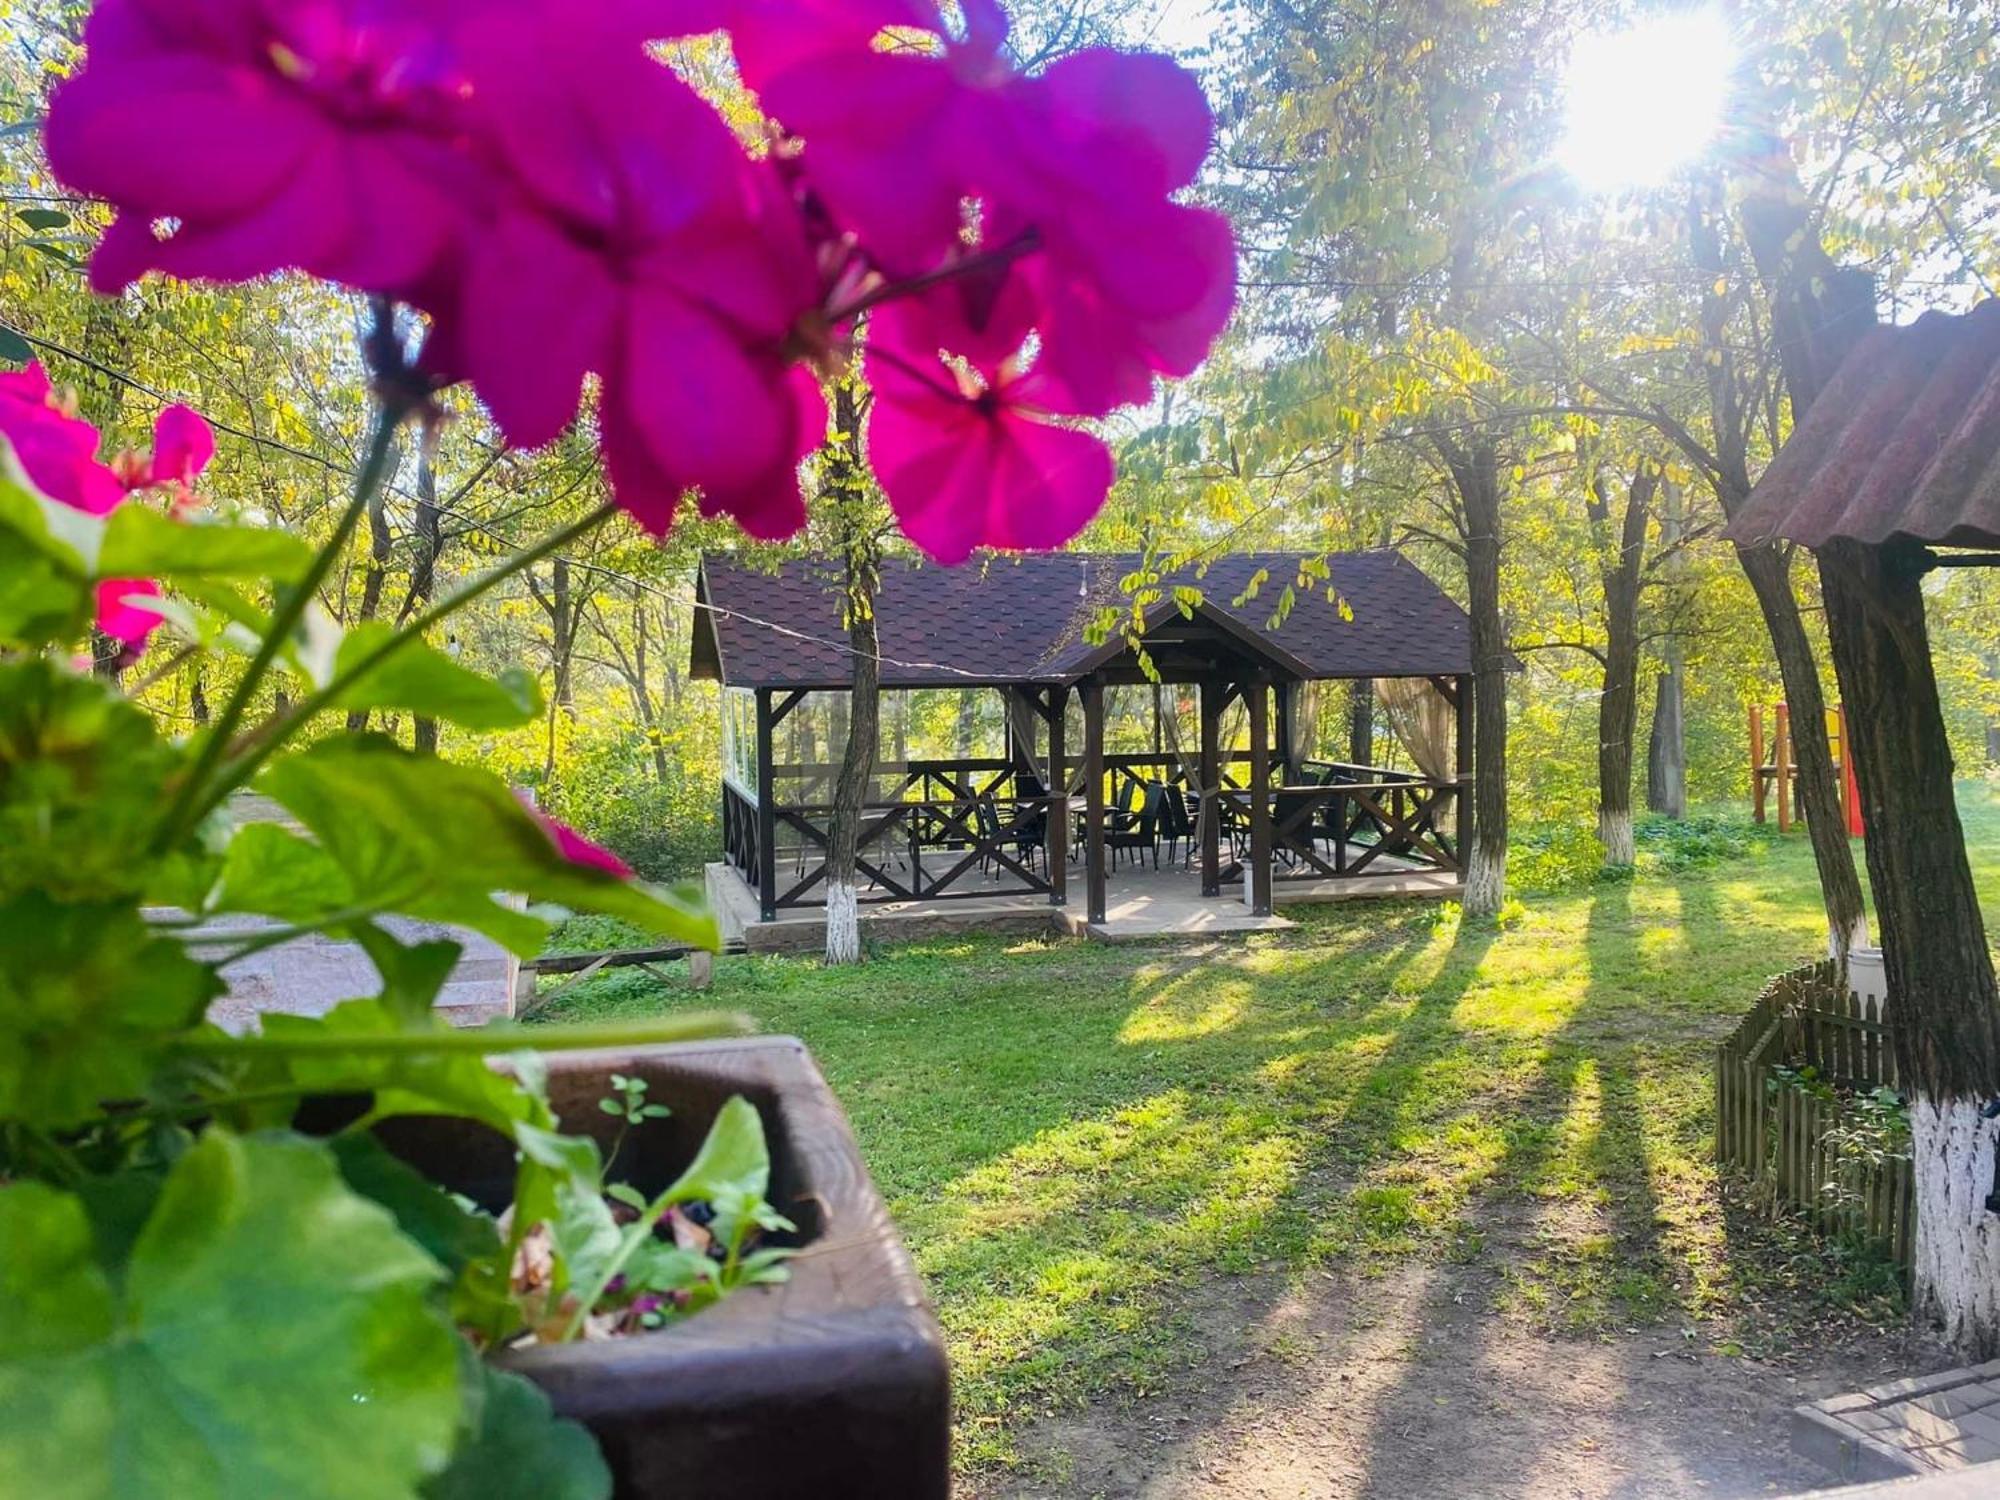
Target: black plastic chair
<point>1176,824</point>
<point>1144,831</point>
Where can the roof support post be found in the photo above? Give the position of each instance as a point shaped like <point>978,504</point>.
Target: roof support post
<point>1093,793</point>
<point>767,810</point>
<point>1288,774</point>
<point>1058,790</point>
<point>1257,879</point>
<point>1209,818</point>
<point>1462,748</point>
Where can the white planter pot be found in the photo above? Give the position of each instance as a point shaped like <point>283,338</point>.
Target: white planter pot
<point>1866,976</point>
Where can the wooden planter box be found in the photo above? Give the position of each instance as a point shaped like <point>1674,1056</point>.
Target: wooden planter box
<point>833,1383</point>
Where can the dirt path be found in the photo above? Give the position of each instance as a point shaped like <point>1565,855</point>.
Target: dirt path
<point>1413,1385</point>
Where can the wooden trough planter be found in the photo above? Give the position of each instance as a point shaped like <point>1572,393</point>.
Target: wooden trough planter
<point>833,1383</point>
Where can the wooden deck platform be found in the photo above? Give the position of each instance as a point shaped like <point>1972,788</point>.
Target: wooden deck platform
<point>1141,903</point>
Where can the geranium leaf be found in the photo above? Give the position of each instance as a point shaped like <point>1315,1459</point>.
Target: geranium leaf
<point>46,553</point>
<point>435,840</point>
<point>454,1234</point>
<point>88,997</point>
<point>733,1163</point>
<point>80,771</point>
<point>518,1449</point>
<point>271,1334</point>
<point>140,542</point>
<point>418,679</point>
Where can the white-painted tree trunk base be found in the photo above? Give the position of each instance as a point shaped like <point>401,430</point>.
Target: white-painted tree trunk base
<point>1614,832</point>
<point>843,924</point>
<point>1485,882</point>
<point>1956,1280</point>
<point>1840,949</point>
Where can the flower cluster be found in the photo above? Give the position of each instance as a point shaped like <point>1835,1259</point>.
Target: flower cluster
<point>57,452</point>
<point>562,203</point>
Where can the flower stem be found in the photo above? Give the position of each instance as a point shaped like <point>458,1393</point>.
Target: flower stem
<point>272,735</point>
<point>192,802</point>
<point>494,1041</point>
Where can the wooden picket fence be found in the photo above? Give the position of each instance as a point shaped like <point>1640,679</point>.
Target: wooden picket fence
<point>1781,1139</point>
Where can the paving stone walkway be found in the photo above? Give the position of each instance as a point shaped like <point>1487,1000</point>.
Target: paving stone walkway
<point>1927,1424</point>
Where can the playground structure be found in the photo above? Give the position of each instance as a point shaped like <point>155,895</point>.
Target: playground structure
<point>1771,778</point>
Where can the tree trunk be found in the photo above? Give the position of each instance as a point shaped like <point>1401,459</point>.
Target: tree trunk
<point>1666,746</point>
<point>1944,1003</point>
<point>373,578</point>
<point>1618,705</point>
<point>1817,786</point>
<point>1943,998</point>
<point>1475,472</point>
<point>1666,741</point>
<point>1769,570</point>
<point>847,485</point>
<point>1361,722</point>
<point>968,705</point>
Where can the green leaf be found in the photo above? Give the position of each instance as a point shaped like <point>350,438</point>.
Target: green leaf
<point>412,973</point>
<point>88,1001</point>
<point>47,551</point>
<point>272,1335</point>
<point>140,542</point>
<point>80,772</point>
<point>13,348</point>
<point>271,871</point>
<point>516,1448</point>
<point>406,1083</point>
<point>455,1235</point>
<point>733,1163</point>
<point>419,679</point>
<point>435,840</point>
<point>43,218</point>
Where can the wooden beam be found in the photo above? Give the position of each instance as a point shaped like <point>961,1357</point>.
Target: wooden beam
<point>1058,786</point>
<point>786,704</point>
<point>767,809</point>
<point>1259,873</point>
<point>1287,773</point>
<point>1210,817</point>
<point>1093,792</point>
<point>1464,735</point>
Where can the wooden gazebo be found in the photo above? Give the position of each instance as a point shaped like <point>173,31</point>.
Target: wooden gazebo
<point>1264,813</point>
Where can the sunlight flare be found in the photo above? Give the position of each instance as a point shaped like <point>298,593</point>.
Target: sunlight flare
<point>1643,102</point>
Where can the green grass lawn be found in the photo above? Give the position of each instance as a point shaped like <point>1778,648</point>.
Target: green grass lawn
<point>1080,1140</point>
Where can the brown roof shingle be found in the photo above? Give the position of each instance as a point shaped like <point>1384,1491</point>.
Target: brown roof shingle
<point>1903,442</point>
<point>1011,618</point>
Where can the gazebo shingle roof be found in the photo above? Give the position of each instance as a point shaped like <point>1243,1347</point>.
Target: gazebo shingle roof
<point>1022,619</point>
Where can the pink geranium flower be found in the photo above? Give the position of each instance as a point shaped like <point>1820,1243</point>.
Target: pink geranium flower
<point>970,447</point>
<point>1079,163</point>
<point>572,845</point>
<point>58,453</point>
<point>640,243</point>
<point>238,139</point>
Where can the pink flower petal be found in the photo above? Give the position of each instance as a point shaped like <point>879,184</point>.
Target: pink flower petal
<point>543,310</point>
<point>572,845</point>
<point>705,408</point>
<point>122,613</point>
<point>183,444</point>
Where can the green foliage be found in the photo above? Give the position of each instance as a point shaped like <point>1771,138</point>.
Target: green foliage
<point>270,1333</point>
<point>203,1302</point>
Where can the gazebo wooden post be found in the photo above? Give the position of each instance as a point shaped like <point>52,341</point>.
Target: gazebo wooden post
<point>1209,818</point>
<point>1258,877</point>
<point>1058,789</point>
<point>1288,774</point>
<point>1093,793</point>
<point>767,811</point>
<point>1462,749</point>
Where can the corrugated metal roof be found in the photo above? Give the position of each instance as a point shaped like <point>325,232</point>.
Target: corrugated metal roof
<point>1903,442</point>
<point>1006,619</point>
